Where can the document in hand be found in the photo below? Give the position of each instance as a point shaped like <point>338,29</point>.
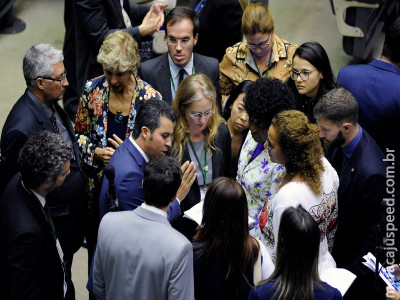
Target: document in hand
<point>341,279</point>
<point>384,273</point>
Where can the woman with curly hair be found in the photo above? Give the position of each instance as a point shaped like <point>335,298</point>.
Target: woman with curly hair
<point>200,135</point>
<point>309,180</point>
<point>106,114</point>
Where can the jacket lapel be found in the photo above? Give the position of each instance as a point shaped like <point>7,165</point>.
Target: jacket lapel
<point>135,154</point>
<point>165,80</point>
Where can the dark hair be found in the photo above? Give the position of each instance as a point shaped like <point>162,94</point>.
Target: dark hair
<point>241,88</point>
<point>316,55</point>
<point>179,13</point>
<point>391,46</point>
<point>296,268</point>
<point>149,116</point>
<point>161,181</point>
<point>337,106</point>
<point>265,98</point>
<point>42,158</point>
<point>224,229</point>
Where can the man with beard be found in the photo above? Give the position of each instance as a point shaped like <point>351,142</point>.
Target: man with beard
<point>36,110</point>
<point>361,170</point>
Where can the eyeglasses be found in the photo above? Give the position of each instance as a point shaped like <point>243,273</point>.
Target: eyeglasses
<point>61,78</point>
<point>262,45</point>
<point>174,41</point>
<point>305,75</point>
<point>198,115</point>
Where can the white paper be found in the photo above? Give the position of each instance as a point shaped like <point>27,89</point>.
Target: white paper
<point>339,278</point>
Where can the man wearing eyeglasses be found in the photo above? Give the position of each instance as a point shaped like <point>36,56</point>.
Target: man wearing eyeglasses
<point>167,71</point>
<point>38,110</point>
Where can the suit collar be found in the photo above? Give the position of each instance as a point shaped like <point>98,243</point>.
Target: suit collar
<point>351,167</point>
<point>165,79</point>
<point>135,154</point>
<point>380,64</point>
<point>150,215</point>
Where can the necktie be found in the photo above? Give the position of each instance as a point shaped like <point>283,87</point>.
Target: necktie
<point>182,73</point>
<point>337,161</point>
<point>53,119</point>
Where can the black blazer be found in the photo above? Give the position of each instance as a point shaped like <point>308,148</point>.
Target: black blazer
<point>221,166</point>
<point>156,72</point>
<point>67,204</point>
<point>93,21</point>
<point>361,190</point>
<point>30,267</point>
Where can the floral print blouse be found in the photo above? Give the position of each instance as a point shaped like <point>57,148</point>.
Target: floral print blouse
<point>91,122</point>
<point>259,180</point>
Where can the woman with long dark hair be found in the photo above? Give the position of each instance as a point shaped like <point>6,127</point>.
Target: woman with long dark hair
<point>225,255</point>
<point>311,77</point>
<point>296,271</point>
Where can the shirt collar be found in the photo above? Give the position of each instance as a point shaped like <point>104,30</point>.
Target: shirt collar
<point>350,147</point>
<point>154,209</point>
<point>41,198</point>
<point>146,158</point>
<point>174,69</point>
<point>46,110</point>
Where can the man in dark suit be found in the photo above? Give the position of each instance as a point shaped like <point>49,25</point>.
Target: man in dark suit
<point>38,110</point>
<point>151,137</point>
<point>361,170</point>
<point>87,24</point>
<point>167,71</point>
<point>31,258</point>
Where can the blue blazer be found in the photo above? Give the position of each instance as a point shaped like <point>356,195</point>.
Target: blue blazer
<point>129,167</point>
<point>361,190</point>
<point>376,87</point>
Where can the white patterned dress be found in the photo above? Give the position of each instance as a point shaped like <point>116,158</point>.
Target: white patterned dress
<point>323,208</point>
<point>259,180</point>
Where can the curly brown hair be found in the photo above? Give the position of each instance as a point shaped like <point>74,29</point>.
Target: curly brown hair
<point>301,148</point>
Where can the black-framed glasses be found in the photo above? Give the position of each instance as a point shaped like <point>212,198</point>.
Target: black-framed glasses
<point>60,78</point>
<point>262,45</point>
<point>198,115</point>
<point>304,75</point>
<point>174,41</point>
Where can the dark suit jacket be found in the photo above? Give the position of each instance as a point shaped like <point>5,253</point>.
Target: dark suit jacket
<point>92,22</point>
<point>220,27</point>
<point>67,203</point>
<point>156,72</point>
<point>376,87</point>
<point>30,267</point>
<point>129,167</point>
<point>361,190</point>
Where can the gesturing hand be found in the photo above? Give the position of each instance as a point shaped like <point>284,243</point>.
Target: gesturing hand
<point>189,175</point>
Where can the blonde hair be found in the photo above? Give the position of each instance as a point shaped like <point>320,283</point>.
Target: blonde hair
<point>119,52</point>
<point>257,19</point>
<point>301,148</point>
<point>194,88</point>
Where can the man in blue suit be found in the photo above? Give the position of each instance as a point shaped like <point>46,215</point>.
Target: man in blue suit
<point>376,87</point>
<point>150,138</point>
<point>361,170</point>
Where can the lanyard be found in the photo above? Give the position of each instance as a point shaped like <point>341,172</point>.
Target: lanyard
<point>269,61</point>
<point>172,80</point>
<point>205,169</point>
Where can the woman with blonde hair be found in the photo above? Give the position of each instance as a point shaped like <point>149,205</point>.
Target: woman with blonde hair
<point>261,54</point>
<point>200,134</point>
<point>106,114</point>
<point>309,180</point>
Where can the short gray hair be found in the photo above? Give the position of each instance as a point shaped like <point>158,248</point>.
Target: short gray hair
<point>38,62</point>
<point>42,158</point>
